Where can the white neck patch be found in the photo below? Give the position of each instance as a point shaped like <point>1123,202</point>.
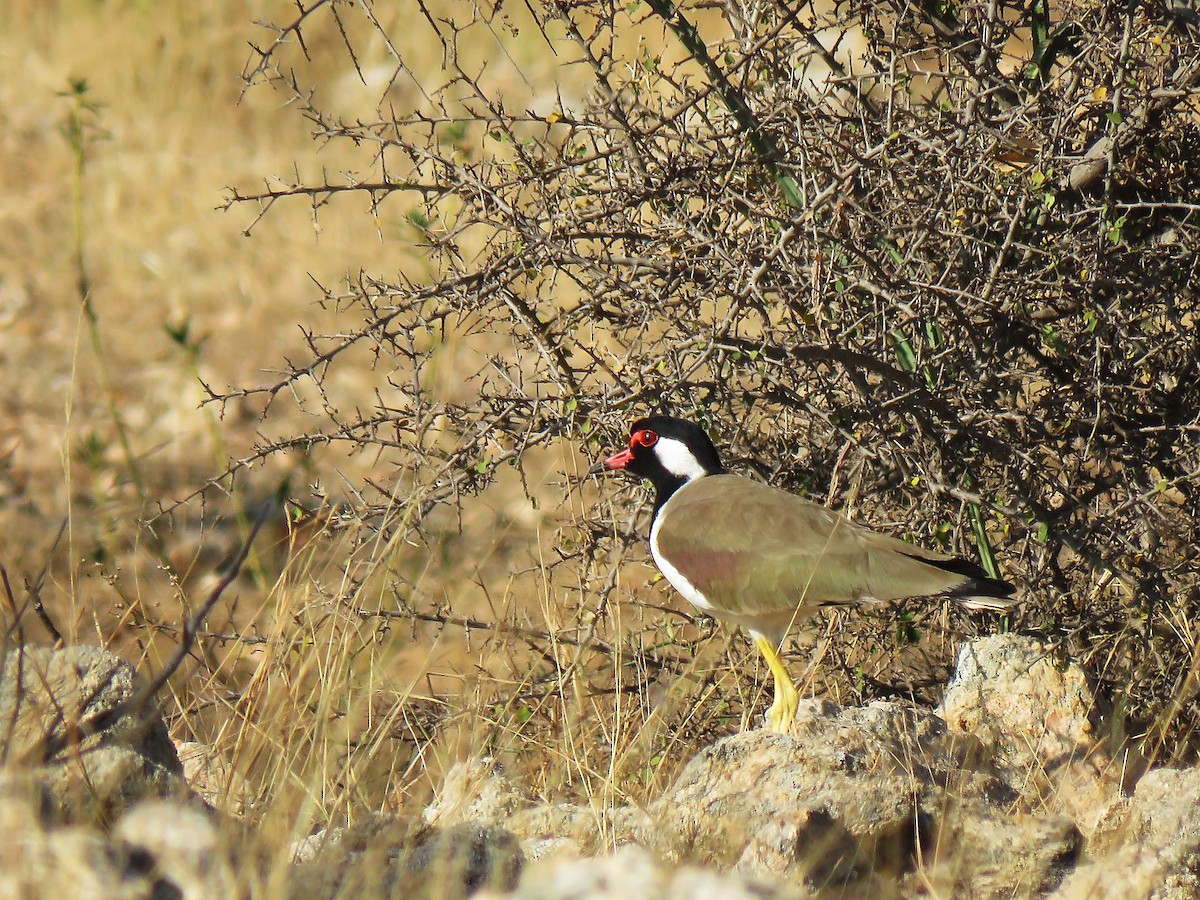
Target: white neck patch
<point>677,459</point>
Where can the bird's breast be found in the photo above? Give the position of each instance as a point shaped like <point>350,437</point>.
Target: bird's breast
<point>676,578</point>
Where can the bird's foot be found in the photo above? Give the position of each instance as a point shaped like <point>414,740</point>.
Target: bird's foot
<point>782,713</point>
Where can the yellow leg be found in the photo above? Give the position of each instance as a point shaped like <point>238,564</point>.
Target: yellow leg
<point>783,711</point>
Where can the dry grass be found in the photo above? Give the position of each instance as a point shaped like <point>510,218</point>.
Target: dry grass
<point>323,699</point>
<point>353,662</point>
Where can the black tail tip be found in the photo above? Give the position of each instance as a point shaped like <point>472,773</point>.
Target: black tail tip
<point>985,593</point>
<point>980,590</point>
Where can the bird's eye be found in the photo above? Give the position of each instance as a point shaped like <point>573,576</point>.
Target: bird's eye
<point>643,438</point>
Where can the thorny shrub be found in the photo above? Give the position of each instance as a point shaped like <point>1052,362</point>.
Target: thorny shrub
<point>934,262</point>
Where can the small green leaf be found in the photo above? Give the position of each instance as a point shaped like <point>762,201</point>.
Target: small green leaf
<point>906,630</point>
<point>1051,339</point>
<point>986,556</point>
<point>942,533</point>
<point>893,252</point>
<point>791,191</point>
<point>934,336</point>
<point>1116,230</point>
<point>179,333</point>
<point>903,350</point>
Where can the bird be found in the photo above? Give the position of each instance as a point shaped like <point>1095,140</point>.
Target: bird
<point>760,557</point>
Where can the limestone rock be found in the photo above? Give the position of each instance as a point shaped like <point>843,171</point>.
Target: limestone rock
<point>864,768</point>
<point>632,872</point>
<point>182,846</point>
<point>389,857</point>
<point>855,791</point>
<point>1011,693</point>
<point>809,847</point>
<point>476,790</point>
<point>47,696</point>
<point>1148,847</point>
<point>987,851</point>
<point>1041,723</point>
<point>39,861</point>
<point>214,780</point>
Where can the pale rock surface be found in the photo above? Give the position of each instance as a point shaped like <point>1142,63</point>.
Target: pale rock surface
<point>1012,694</point>
<point>214,780</point>
<point>38,861</point>
<point>1147,847</point>
<point>878,789</point>
<point>47,696</point>
<point>632,873</point>
<point>872,803</point>
<point>74,862</point>
<point>476,790</point>
<point>1040,722</point>
<point>181,846</point>
<point>807,847</point>
<point>479,791</point>
<point>390,857</point>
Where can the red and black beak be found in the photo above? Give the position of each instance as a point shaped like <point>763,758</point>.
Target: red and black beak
<point>616,461</point>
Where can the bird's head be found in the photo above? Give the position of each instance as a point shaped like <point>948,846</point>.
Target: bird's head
<point>669,452</point>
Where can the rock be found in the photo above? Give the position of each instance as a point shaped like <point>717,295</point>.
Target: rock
<point>986,851</point>
<point>25,803</point>
<point>181,847</point>
<point>387,857</point>
<point>473,856</point>
<point>1011,693</point>
<point>859,767</point>
<point>810,847</point>
<point>1147,847</point>
<point>852,792</point>
<point>309,848</point>
<point>214,780</point>
<point>475,791</point>
<point>591,831</point>
<point>51,699</point>
<point>632,872</point>
<point>551,847</point>
<point>39,861</point>
<point>1087,789</point>
<point>1040,722</point>
<point>78,862</point>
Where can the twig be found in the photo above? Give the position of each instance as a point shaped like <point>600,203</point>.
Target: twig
<point>75,732</point>
<point>34,590</point>
<point>191,626</point>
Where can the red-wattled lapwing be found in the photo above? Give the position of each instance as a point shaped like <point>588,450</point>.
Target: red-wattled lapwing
<point>752,554</point>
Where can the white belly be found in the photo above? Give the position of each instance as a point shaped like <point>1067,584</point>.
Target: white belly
<point>674,576</point>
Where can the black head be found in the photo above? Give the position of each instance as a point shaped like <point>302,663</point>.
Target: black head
<point>668,451</point>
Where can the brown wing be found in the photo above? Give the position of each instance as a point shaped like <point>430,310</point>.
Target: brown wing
<point>754,550</point>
